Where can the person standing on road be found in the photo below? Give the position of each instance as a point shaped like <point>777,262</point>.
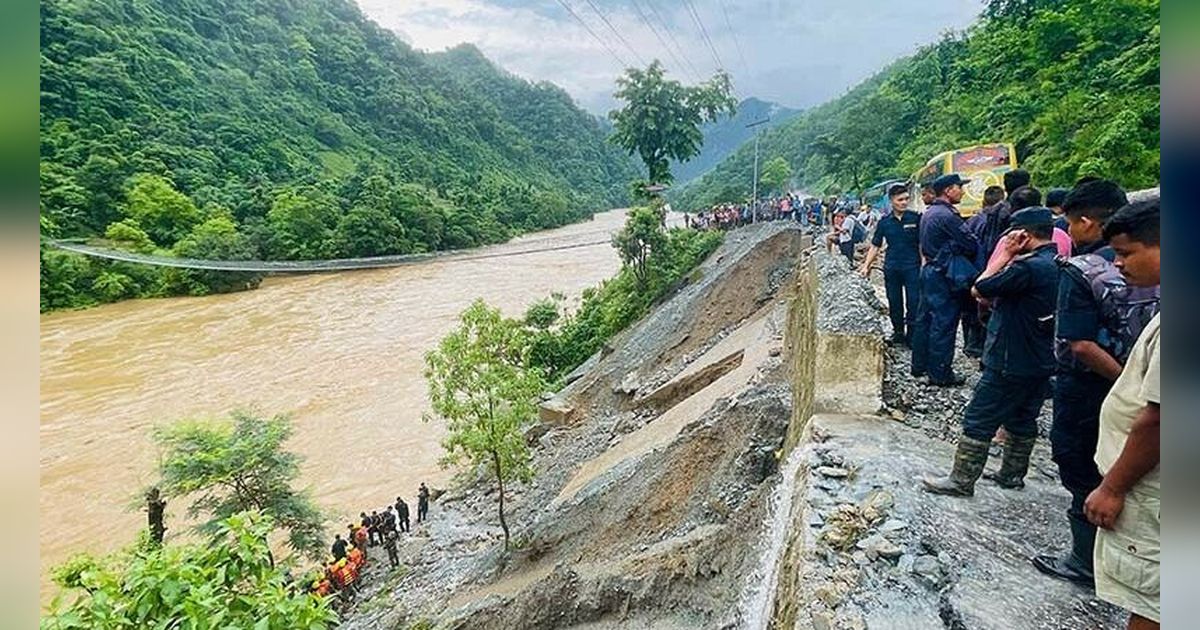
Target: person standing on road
<point>1018,357</point>
<point>901,262</point>
<point>942,238</point>
<point>1126,504</point>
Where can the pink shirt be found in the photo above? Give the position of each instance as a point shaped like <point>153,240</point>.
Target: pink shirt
<point>1061,240</point>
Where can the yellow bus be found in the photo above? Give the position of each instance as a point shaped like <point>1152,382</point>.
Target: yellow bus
<point>983,164</point>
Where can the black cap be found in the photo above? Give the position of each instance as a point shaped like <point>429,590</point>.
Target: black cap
<point>1056,197</point>
<point>946,181</point>
<point>1036,216</point>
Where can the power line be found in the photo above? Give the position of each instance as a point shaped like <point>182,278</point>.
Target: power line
<point>674,57</point>
<point>616,32</point>
<point>671,36</point>
<point>593,34</point>
<point>736,42</point>
<point>704,33</point>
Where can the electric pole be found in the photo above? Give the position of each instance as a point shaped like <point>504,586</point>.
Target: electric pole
<point>754,184</point>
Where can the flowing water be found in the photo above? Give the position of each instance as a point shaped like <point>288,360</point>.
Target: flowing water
<point>758,600</point>
<point>341,352</point>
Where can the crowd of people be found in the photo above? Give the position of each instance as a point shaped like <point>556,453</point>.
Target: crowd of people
<point>348,556</point>
<point>808,211</point>
<point>1058,298</point>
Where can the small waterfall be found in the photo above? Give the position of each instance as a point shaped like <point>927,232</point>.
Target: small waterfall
<point>758,596</point>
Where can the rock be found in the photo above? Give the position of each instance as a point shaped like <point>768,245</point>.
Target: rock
<point>944,558</point>
<point>897,414</point>
<point>821,620</point>
<point>555,411</point>
<point>906,562</point>
<point>927,567</point>
<point>774,352</point>
<point>893,525</point>
<point>829,595</point>
<point>833,471</point>
<point>878,546</point>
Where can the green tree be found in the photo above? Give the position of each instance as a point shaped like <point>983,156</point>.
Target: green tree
<point>640,237</point>
<point>776,173</point>
<point>239,465</point>
<point>661,118</point>
<point>301,225</point>
<point>127,234</point>
<point>166,214</point>
<point>230,582</point>
<point>480,384</point>
<point>216,239</point>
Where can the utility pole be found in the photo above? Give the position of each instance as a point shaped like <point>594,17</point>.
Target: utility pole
<point>754,184</point>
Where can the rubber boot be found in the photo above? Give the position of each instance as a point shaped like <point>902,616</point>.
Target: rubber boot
<point>1015,464</point>
<point>969,460</point>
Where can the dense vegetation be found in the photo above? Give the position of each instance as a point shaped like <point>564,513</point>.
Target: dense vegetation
<point>229,582</point>
<point>1073,83</point>
<point>288,129</point>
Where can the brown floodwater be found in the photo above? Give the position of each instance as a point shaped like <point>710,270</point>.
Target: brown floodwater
<point>341,352</point>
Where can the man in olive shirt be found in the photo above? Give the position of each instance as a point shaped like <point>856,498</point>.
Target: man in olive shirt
<point>1126,505</point>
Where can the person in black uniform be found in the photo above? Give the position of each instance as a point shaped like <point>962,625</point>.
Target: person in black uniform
<point>339,547</point>
<point>402,515</point>
<point>901,264</point>
<point>1099,319</point>
<point>944,242</point>
<point>422,502</point>
<point>1018,357</point>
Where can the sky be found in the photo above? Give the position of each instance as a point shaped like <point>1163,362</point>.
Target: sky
<point>798,53</point>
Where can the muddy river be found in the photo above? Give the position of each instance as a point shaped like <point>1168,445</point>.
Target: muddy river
<point>341,352</point>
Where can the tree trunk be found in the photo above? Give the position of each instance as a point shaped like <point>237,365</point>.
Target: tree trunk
<point>500,481</point>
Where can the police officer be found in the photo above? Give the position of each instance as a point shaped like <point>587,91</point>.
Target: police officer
<point>1018,357</point>
<point>422,502</point>
<point>1099,318</point>
<point>402,515</point>
<point>902,264</point>
<point>942,237</point>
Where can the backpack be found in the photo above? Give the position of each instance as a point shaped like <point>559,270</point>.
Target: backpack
<point>859,233</point>
<point>1124,310</point>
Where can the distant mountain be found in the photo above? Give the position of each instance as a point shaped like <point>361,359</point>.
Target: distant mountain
<point>726,135</point>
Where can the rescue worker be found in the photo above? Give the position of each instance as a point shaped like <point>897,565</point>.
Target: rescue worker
<point>944,242</point>
<point>339,547</point>
<point>358,537</point>
<point>389,545</point>
<point>422,502</point>
<point>1099,318</point>
<point>1018,356</point>
<point>402,515</point>
<point>901,263</point>
<point>375,529</point>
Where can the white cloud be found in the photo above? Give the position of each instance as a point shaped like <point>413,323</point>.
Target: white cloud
<point>799,52</point>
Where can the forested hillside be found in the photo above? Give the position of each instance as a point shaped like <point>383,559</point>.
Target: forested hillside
<point>727,134</point>
<point>288,129</point>
<point>1073,83</point>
